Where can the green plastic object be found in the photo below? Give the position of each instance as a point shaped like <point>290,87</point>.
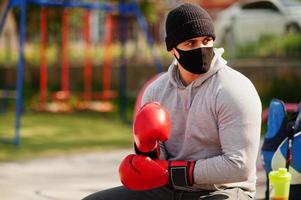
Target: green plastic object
<point>280,181</point>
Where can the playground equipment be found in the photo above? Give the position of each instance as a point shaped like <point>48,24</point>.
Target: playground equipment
<point>123,8</point>
<point>88,101</point>
<point>97,101</point>
<point>60,98</point>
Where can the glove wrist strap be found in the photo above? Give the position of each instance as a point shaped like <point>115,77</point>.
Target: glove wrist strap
<point>181,173</point>
<point>154,154</point>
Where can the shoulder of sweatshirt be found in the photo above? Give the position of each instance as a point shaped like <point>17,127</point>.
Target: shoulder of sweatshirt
<point>158,84</point>
<point>232,79</point>
<point>236,89</point>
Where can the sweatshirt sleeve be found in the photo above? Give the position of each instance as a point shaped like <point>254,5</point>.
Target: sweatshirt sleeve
<point>238,114</point>
<point>147,96</point>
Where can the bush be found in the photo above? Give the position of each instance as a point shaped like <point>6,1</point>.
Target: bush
<point>272,46</point>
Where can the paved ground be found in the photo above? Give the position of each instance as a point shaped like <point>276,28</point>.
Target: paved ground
<point>68,177</point>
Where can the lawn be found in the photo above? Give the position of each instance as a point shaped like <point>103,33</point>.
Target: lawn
<point>46,134</point>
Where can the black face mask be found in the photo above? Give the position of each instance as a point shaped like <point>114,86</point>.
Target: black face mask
<point>196,61</point>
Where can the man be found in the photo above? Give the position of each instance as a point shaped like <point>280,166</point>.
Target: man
<point>214,114</point>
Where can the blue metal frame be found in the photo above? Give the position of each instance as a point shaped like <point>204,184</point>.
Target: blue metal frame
<point>20,69</point>
<point>124,8</point>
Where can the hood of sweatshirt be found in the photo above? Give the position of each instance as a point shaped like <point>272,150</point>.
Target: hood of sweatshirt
<point>217,63</point>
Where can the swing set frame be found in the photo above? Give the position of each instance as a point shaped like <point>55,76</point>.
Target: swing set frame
<point>122,8</point>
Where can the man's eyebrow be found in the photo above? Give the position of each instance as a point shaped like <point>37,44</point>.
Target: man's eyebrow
<point>191,40</point>
<point>207,38</point>
<point>195,39</point>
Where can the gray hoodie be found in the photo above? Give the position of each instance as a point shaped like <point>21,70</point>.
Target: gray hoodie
<point>216,121</point>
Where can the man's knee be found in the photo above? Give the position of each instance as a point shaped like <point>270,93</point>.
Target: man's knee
<point>230,194</point>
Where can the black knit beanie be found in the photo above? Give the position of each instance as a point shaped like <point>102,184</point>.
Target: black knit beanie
<point>185,22</point>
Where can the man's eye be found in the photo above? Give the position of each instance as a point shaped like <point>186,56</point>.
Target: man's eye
<point>205,42</point>
<point>191,44</point>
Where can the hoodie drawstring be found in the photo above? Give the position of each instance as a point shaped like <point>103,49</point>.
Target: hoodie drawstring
<point>189,98</point>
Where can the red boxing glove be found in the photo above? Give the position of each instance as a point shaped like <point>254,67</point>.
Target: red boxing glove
<point>151,124</point>
<point>142,173</point>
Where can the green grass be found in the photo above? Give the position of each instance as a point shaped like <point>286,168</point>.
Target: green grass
<point>46,134</point>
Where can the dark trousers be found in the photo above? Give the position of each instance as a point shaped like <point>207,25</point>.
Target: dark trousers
<point>166,193</point>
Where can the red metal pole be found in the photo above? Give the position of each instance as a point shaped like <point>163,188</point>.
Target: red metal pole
<point>43,60</point>
<point>107,57</point>
<point>88,68</point>
<point>65,61</point>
